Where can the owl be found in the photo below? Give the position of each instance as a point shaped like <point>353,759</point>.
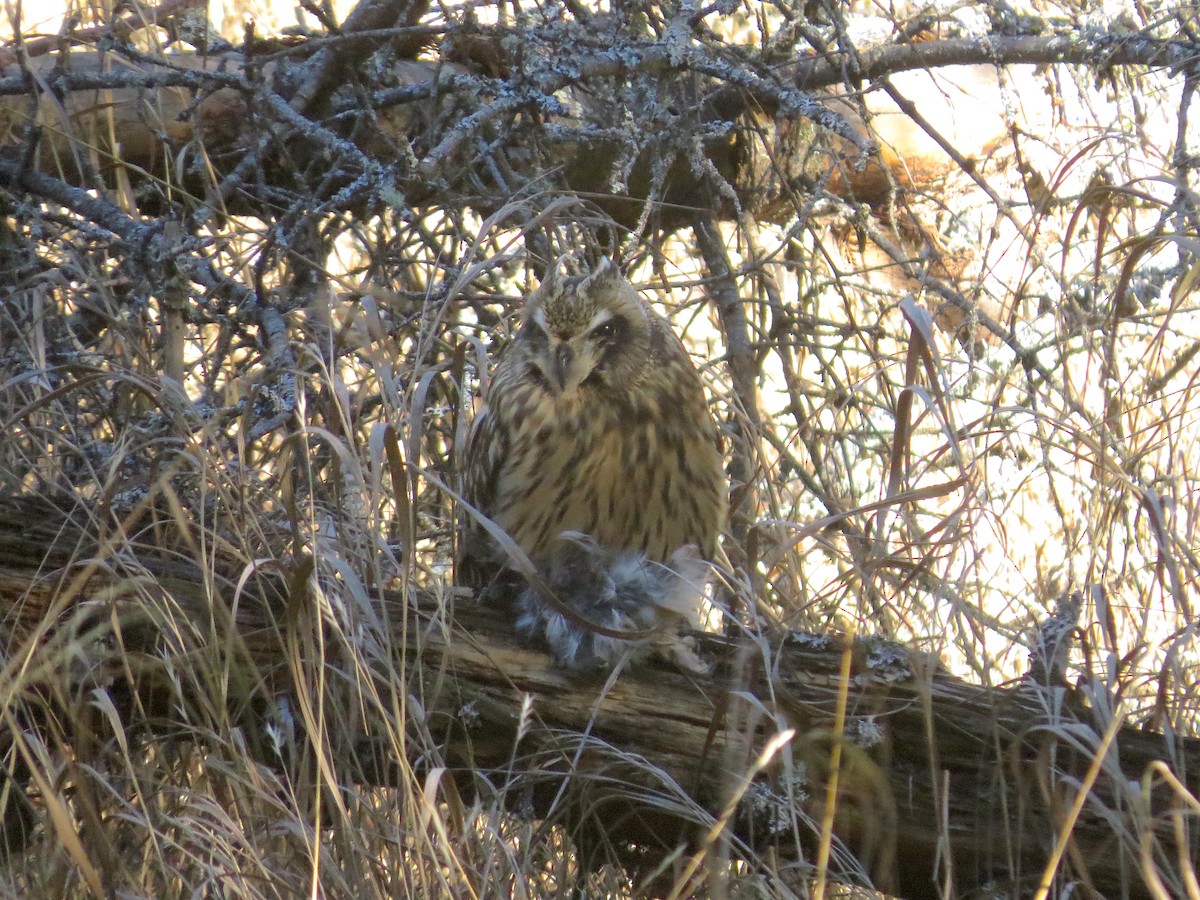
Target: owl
<point>595,455</point>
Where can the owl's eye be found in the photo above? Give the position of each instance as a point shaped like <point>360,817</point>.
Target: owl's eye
<point>535,333</point>
<point>609,330</point>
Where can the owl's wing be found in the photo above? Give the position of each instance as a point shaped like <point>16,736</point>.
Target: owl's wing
<point>486,450</point>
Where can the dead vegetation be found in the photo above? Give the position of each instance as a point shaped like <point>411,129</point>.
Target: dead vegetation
<point>252,291</point>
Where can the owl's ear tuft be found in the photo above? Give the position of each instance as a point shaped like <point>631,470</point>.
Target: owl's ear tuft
<point>553,279</point>
<point>605,273</point>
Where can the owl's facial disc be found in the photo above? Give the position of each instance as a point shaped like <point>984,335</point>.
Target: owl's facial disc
<point>570,358</point>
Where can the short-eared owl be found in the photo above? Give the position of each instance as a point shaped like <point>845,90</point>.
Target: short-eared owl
<point>594,424</point>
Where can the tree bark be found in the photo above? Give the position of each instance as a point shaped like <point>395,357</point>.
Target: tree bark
<point>943,785</point>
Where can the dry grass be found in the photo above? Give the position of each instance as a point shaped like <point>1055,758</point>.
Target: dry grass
<point>948,490</point>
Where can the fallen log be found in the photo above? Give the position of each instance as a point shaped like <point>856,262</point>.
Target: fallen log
<point>942,786</point>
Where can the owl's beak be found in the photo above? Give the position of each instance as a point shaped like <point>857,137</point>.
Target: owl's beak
<point>564,356</point>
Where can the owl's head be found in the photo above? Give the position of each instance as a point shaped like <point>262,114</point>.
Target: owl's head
<point>589,331</point>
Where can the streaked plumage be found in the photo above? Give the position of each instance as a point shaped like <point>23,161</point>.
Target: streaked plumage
<point>595,422</point>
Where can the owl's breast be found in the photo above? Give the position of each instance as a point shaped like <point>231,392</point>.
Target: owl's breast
<point>644,477</point>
